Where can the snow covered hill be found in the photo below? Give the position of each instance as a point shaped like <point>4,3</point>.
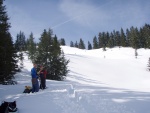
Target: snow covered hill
<point>113,81</point>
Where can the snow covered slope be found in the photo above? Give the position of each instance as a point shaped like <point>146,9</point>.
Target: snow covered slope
<point>113,81</point>
<point>115,67</point>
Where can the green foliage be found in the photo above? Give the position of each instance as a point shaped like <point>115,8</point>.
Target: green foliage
<point>81,44</point>
<point>21,58</point>
<point>133,37</point>
<point>31,47</point>
<point>76,45</point>
<point>50,55</point>
<point>123,38</point>
<point>4,25</point>
<point>89,46</point>
<point>145,36</point>
<point>95,43</point>
<point>62,42</point>
<point>20,43</point>
<point>71,44</point>
<point>111,41</point>
<point>8,62</point>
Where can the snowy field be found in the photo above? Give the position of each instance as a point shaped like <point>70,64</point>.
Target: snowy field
<point>113,81</point>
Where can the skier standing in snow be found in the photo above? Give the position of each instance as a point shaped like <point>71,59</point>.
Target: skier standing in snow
<point>45,74</point>
<point>42,74</point>
<point>35,83</point>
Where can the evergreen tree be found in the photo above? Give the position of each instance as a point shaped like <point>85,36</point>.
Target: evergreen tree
<point>31,47</point>
<point>100,40</point>
<point>81,44</point>
<point>89,46</point>
<point>44,47</point>
<point>76,45</point>
<point>128,40</point>
<point>118,39</point>
<point>123,38</point>
<point>111,41</point>
<point>21,58</point>
<point>20,43</point>
<point>134,37</point>
<point>145,35</point>
<point>8,62</point>
<point>104,40</point>
<point>56,46</point>
<point>95,43</point>
<point>107,38</point>
<point>50,55</point>
<point>62,42</point>
<point>142,39</point>
<point>71,44</point>
<point>114,36</point>
<point>148,42</point>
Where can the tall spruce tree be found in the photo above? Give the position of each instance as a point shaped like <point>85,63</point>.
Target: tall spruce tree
<point>100,40</point>
<point>146,35</point>
<point>142,39</point>
<point>111,41</point>
<point>50,55</point>
<point>95,43</point>
<point>128,39</point>
<point>20,43</point>
<point>118,39</point>
<point>123,38</point>
<point>76,45</point>
<point>62,42</point>
<point>44,47</point>
<point>81,44</point>
<point>107,38</point>
<point>31,47</point>
<point>21,58</point>
<point>8,62</point>
<point>71,44</point>
<point>104,40</point>
<point>89,46</point>
<point>134,34</point>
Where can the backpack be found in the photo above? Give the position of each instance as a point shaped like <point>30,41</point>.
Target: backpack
<point>12,108</point>
<point>27,89</point>
<point>8,107</point>
<point>4,107</point>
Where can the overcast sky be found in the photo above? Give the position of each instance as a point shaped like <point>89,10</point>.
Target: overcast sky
<point>75,19</point>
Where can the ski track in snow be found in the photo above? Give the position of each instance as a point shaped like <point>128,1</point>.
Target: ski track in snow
<point>79,93</point>
<point>75,98</point>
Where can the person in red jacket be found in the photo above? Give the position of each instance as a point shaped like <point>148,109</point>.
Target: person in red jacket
<point>45,74</point>
<point>42,74</point>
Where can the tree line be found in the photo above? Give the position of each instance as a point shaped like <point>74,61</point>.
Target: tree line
<point>133,37</point>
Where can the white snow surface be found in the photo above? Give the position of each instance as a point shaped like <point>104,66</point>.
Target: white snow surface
<point>111,81</point>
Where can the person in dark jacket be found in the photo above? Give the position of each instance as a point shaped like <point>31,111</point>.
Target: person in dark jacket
<point>35,83</point>
<point>42,77</point>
